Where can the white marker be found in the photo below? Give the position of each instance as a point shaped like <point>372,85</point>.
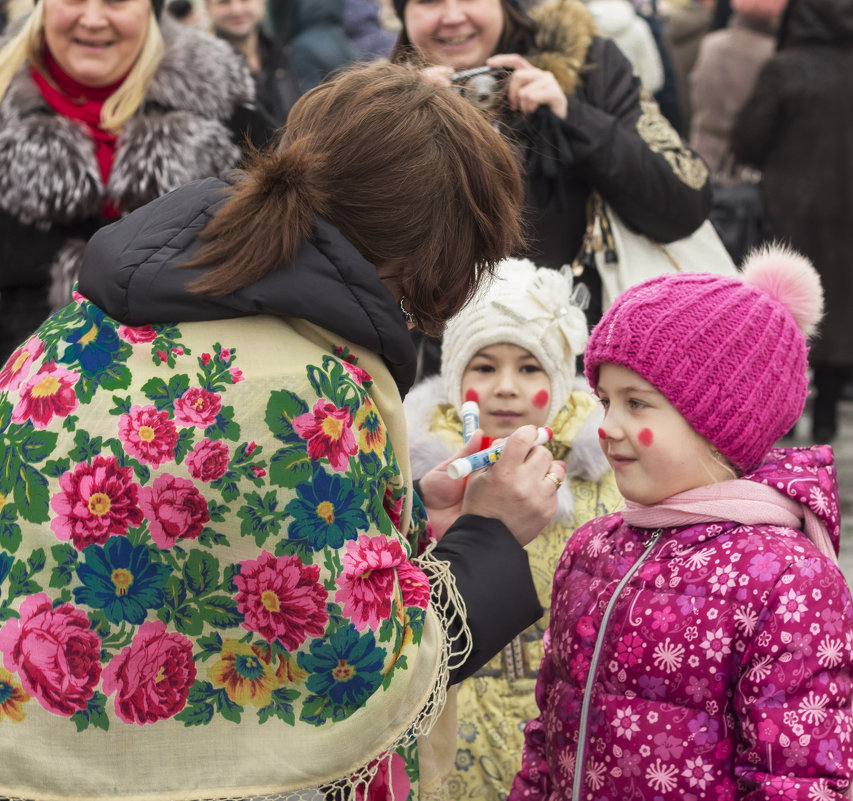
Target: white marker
<point>459,468</point>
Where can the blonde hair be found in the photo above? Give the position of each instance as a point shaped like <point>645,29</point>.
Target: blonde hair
<point>25,48</point>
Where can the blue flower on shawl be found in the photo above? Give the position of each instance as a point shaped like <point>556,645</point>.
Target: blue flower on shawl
<point>326,512</point>
<point>346,668</point>
<point>94,344</point>
<point>121,579</point>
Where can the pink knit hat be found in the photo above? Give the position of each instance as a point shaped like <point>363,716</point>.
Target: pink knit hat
<point>763,9</point>
<point>729,353</point>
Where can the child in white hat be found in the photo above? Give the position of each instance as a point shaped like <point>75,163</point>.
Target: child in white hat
<point>513,350</point>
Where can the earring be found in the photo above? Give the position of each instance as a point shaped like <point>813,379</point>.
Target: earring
<point>407,315</point>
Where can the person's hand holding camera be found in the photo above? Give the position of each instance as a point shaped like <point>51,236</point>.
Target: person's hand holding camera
<point>529,87</point>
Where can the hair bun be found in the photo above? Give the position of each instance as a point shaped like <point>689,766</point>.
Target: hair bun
<point>790,279</point>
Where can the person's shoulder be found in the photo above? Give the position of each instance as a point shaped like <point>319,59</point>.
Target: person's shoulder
<point>199,73</point>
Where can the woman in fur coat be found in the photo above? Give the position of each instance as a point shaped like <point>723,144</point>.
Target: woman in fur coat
<point>578,113</point>
<point>103,107</point>
<point>513,349</point>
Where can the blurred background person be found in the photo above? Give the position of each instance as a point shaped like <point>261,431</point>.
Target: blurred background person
<point>575,109</point>
<point>724,75</point>
<point>185,11</point>
<point>314,32</point>
<point>686,23</point>
<point>797,128</point>
<point>102,110</point>
<point>363,26</point>
<point>239,23</point>
<point>619,21</point>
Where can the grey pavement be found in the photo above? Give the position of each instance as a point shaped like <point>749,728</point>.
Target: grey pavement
<point>843,447</point>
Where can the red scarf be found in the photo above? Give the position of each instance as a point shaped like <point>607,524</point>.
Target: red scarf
<point>82,104</point>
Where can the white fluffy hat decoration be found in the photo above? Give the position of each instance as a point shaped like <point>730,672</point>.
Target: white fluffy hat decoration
<point>533,308</point>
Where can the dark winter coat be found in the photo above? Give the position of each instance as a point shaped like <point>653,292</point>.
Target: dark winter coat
<point>615,141</point>
<point>798,128</point>
<point>198,107</point>
<point>313,29</point>
<point>277,86</point>
<point>716,657</point>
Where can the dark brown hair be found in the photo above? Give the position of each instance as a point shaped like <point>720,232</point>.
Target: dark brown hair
<point>517,36</point>
<point>410,173</point>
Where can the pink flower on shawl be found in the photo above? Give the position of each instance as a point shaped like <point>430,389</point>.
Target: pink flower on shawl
<point>197,407</point>
<point>371,568</point>
<point>136,334</point>
<point>96,501</point>
<point>208,460</point>
<point>361,377</point>
<point>175,508</point>
<point>18,365</point>
<point>55,654</point>
<point>148,435</point>
<point>329,433</point>
<point>152,676</point>
<point>281,598</point>
<point>49,392</point>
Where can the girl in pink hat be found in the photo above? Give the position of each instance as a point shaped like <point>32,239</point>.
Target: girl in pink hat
<point>701,641</point>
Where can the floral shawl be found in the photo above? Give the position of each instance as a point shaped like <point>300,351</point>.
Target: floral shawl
<point>212,571</point>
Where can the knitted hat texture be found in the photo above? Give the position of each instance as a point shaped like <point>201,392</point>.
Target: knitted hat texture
<point>524,306</point>
<point>762,9</point>
<point>730,353</point>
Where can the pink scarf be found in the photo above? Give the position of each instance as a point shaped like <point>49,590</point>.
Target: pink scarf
<point>741,501</point>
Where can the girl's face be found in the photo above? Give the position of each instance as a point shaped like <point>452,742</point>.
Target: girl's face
<point>95,42</point>
<point>511,387</point>
<point>652,449</point>
<point>454,33</point>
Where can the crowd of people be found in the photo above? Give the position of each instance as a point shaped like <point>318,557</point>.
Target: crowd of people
<point>329,471</point>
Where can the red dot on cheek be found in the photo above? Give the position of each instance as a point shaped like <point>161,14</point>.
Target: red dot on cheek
<point>646,437</point>
<point>602,434</point>
<point>540,399</point>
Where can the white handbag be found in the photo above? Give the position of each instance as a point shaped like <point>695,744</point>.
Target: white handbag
<point>624,258</point>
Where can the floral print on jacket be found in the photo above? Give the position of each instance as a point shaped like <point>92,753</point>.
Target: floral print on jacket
<point>727,666</point>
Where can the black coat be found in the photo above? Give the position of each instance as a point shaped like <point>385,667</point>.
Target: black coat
<point>798,128</point>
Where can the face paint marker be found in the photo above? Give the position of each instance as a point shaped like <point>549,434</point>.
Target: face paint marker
<point>540,399</point>
<point>645,437</point>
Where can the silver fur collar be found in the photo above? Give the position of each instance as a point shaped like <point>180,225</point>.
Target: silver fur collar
<point>48,172</point>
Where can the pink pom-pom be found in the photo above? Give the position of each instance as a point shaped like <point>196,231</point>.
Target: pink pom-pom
<point>791,279</point>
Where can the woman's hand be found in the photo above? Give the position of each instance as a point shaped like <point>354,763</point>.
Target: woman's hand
<point>441,494</point>
<point>516,489</point>
<point>438,75</point>
<point>529,87</point>
<point>520,488</point>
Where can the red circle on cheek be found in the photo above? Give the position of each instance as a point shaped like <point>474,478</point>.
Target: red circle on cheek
<point>602,434</point>
<point>540,399</point>
<point>646,437</point>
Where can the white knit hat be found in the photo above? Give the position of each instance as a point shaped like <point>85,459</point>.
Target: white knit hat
<point>525,306</point>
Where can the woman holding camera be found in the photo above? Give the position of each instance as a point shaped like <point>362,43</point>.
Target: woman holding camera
<point>576,109</point>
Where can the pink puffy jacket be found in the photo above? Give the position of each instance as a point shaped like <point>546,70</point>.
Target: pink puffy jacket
<point>716,659</point>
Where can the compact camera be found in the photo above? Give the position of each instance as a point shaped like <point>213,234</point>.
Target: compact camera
<point>485,87</point>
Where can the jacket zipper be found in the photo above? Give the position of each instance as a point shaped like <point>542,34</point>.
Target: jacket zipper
<point>583,733</point>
